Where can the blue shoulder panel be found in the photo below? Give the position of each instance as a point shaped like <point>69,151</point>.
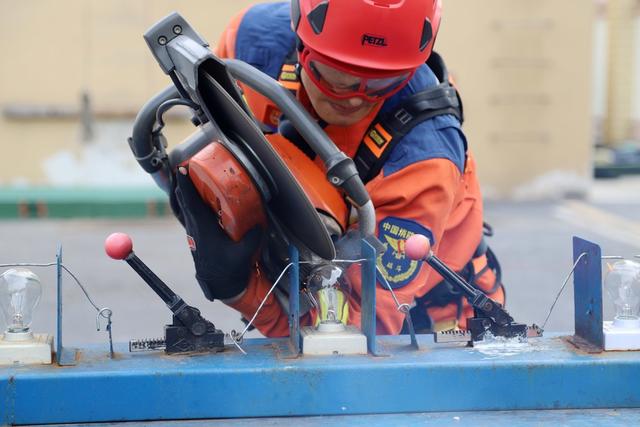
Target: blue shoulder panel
<point>438,138</point>
<point>265,37</point>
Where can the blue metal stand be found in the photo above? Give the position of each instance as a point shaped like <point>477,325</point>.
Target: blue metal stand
<point>587,295</point>
<point>547,373</point>
<point>64,356</point>
<point>151,386</point>
<point>368,312</point>
<point>294,301</point>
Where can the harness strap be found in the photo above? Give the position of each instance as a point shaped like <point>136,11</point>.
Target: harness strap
<point>389,128</point>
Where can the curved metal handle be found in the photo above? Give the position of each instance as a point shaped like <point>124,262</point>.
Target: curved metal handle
<point>141,142</point>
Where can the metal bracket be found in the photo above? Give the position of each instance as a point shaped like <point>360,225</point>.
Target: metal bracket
<point>294,301</point>
<point>368,312</point>
<point>64,356</point>
<point>587,296</point>
<point>412,332</point>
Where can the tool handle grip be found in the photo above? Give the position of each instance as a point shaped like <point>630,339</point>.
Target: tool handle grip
<point>120,246</point>
<point>172,300</point>
<point>418,248</point>
<point>451,276</point>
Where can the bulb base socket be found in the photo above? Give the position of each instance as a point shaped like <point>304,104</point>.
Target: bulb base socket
<point>616,337</point>
<point>626,322</point>
<point>34,351</point>
<point>347,341</point>
<point>18,336</point>
<point>331,327</point>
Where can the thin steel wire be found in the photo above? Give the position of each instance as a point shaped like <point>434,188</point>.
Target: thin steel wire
<point>104,312</point>
<point>237,338</point>
<point>575,264</point>
<point>404,307</point>
<point>569,276</point>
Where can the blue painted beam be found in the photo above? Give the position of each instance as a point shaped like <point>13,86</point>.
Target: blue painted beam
<point>573,417</point>
<point>153,386</point>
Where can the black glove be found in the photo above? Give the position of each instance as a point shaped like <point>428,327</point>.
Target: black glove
<point>222,265</point>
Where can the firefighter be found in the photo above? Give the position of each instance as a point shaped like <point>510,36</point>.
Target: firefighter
<point>366,70</point>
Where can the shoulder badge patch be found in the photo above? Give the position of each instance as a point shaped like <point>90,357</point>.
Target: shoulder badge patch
<point>393,264</point>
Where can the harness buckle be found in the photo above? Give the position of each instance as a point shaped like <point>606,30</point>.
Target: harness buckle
<point>403,116</point>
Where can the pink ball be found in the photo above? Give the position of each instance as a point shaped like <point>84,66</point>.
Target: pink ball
<point>417,247</point>
<point>118,245</point>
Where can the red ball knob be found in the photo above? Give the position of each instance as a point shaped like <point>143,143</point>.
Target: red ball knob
<point>118,245</point>
<point>417,247</point>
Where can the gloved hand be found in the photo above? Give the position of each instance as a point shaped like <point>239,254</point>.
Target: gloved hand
<point>222,265</point>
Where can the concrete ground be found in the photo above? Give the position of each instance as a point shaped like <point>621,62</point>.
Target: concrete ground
<point>532,240</point>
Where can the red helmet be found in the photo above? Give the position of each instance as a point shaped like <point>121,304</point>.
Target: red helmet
<point>370,34</point>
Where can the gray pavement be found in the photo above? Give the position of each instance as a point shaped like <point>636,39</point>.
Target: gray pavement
<point>532,241</point>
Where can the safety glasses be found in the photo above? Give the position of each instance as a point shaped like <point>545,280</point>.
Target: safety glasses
<point>341,81</point>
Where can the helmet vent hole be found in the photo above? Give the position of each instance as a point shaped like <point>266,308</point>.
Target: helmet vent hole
<point>317,16</point>
<point>427,34</point>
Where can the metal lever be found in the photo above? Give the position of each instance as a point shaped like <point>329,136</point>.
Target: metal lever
<point>189,330</point>
<point>476,298</point>
<point>490,316</point>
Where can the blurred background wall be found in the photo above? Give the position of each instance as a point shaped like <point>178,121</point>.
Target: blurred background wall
<point>542,83</point>
<point>524,71</point>
<point>74,74</point>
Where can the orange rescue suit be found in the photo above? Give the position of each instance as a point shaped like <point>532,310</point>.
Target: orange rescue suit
<point>431,192</point>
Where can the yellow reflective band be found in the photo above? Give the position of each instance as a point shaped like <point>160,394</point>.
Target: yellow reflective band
<point>289,76</point>
<point>377,139</point>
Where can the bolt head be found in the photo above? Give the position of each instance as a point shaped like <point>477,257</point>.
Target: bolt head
<point>177,29</point>
<point>199,329</point>
<point>162,40</point>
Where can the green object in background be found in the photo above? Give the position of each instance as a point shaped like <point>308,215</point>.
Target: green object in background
<point>71,202</point>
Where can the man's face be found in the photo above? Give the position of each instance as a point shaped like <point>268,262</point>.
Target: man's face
<point>339,112</point>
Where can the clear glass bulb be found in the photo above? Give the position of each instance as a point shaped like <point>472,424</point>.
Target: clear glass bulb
<point>622,283</point>
<point>20,291</point>
<point>329,286</point>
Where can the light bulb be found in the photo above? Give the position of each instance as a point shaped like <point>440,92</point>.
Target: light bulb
<point>623,286</point>
<point>330,288</point>
<point>20,291</point>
